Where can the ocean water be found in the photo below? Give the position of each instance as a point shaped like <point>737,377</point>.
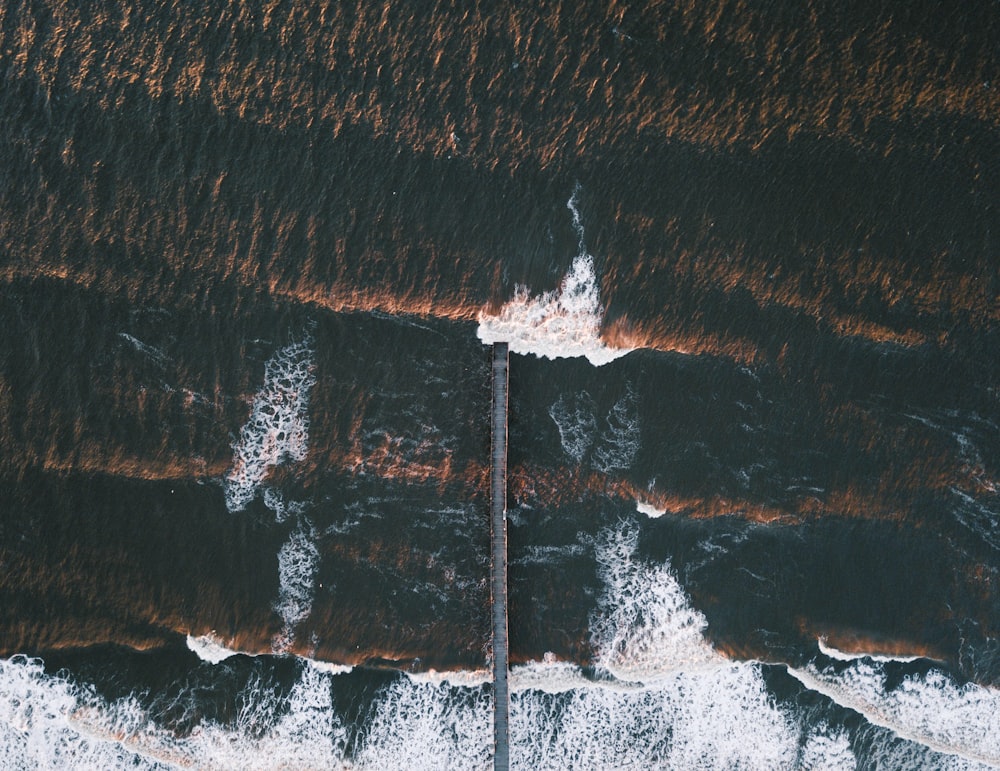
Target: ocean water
<point>252,258</point>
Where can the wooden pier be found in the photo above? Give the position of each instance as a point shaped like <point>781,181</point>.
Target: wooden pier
<point>498,542</point>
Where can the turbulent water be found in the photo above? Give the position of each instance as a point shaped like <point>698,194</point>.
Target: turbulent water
<point>747,259</point>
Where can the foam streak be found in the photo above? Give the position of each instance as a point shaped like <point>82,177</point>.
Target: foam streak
<point>278,427</point>
<point>298,561</point>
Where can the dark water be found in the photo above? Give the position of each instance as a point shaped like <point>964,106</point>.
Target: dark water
<point>746,259</point>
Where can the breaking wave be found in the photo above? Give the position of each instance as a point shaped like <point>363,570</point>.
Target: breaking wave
<point>278,426</point>
<point>929,709</point>
<point>834,653</point>
<point>649,510</point>
<point>210,648</point>
<point>563,323</point>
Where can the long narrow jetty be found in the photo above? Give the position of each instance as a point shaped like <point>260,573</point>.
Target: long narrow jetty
<point>498,542</point>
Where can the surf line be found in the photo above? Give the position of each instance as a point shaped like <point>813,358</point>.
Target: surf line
<point>498,561</point>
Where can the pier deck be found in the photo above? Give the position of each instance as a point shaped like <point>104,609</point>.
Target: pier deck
<point>498,542</point>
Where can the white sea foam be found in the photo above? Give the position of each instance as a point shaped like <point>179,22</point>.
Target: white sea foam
<point>563,323</point>
<point>720,718</point>
<point>282,509</point>
<point>298,561</point>
<point>428,726</point>
<point>278,426</point>
<point>716,719</point>
<point>574,418</point>
<point>929,709</point>
<point>620,443</point>
<point>614,448</point>
<point>574,209</point>
<point>308,734</point>
<point>827,750</point>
